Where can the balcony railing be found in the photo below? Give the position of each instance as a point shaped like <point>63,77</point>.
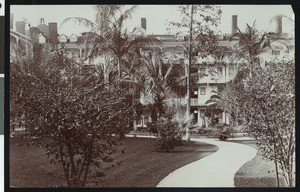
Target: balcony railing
<point>194,101</point>
<point>197,102</point>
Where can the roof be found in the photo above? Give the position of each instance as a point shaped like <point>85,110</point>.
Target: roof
<point>63,35</point>
<point>73,35</point>
<point>44,29</point>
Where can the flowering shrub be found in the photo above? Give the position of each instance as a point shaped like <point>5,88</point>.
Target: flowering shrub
<point>170,135</point>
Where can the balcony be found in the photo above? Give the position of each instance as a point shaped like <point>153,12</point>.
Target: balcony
<point>176,101</point>
<point>197,102</point>
<point>215,80</point>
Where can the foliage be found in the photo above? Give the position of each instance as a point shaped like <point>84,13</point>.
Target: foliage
<point>198,21</point>
<point>262,98</point>
<point>266,104</point>
<point>116,49</point>
<point>184,122</point>
<point>109,36</point>
<point>204,20</point>
<point>73,117</point>
<point>160,82</point>
<point>253,44</point>
<point>170,135</point>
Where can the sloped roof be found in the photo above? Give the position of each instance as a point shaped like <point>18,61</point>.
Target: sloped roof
<point>44,29</point>
<point>73,35</point>
<point>62,35</point>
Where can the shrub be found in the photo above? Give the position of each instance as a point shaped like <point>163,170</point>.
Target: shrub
<point>170,135</point>
<point>152,128</point>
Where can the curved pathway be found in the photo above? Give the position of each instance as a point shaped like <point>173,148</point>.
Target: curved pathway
<point>215,170</point>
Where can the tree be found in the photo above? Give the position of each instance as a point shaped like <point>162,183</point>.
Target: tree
<point>114,45</point>
<point>73,117</point>
<point>263,99</point>
<point>196,20</point>
<point>267,108</point>
<point>161,80</point>
<point>108,35</point>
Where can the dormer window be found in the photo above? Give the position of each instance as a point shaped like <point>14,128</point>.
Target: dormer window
<point>276,52</point>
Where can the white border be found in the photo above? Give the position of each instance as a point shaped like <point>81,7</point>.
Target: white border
<point>2,9</point>
<point>1,163</point>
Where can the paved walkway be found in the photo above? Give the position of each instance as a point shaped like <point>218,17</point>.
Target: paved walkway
<point>215,170</point>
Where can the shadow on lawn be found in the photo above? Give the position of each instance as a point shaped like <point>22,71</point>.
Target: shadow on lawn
<point>141,165</point>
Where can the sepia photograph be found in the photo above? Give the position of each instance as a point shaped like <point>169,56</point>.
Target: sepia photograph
<point>152,96</point>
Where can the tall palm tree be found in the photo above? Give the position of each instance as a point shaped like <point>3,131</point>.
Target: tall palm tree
<point>109,35</point>
<point>161,80</point>
<point>252,44</point>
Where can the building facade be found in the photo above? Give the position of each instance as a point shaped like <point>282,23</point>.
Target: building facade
<point>217,73</point>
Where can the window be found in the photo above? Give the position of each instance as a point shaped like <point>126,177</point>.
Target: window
<point>219,71</point>
<point>202,90</point>
<point>73,39</point>
<point>220,116</point>
<point>231,71</point>
<point>276,52</point>
<point>202,112</point>
<point>202,71</point>
<point>286,51</point>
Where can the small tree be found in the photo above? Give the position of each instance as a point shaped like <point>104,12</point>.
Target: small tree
<point>197,21</point>
<point>263,98</point>
<point>266,105</point>
<point>73,117</point>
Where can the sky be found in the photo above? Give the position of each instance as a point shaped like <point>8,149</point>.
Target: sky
<point>157,16</point>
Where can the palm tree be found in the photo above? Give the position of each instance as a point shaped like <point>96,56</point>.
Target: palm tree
<point>161,81</point>
<point>252,45</point>
<point>109,36</point>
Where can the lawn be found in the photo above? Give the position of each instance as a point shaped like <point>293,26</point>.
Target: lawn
<point>141,166</point>
<point>259,172</point>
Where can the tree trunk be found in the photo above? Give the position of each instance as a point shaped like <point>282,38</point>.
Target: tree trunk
<point>119,68</point>
<point>188,94</point>
<point>134,103</point>
<point>275,161</point>
<point>187,135</point>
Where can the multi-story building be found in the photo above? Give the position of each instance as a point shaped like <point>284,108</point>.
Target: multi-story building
<point>218,73</point>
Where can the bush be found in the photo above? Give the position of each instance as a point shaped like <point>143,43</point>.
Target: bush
<point>152,128</point>
<point>221,126</point>
<point>170,135</point>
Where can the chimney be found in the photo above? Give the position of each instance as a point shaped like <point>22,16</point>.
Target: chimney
<point>234,25</point>
<point>53,32</point>
<point>144,23</point>
<point>42,20</point>
<point>20,27</point>
<point>34,34</point>
<point>11,21</point>
<point>278,29</point>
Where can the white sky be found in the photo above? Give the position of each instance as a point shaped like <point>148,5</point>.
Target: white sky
<point>156,15</point>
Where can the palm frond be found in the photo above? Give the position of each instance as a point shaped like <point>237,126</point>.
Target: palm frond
<point>79,20</point>
<point>128,12</point>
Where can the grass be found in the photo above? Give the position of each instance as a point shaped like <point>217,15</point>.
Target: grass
<point>141,166</point>
<point>258,172</point>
